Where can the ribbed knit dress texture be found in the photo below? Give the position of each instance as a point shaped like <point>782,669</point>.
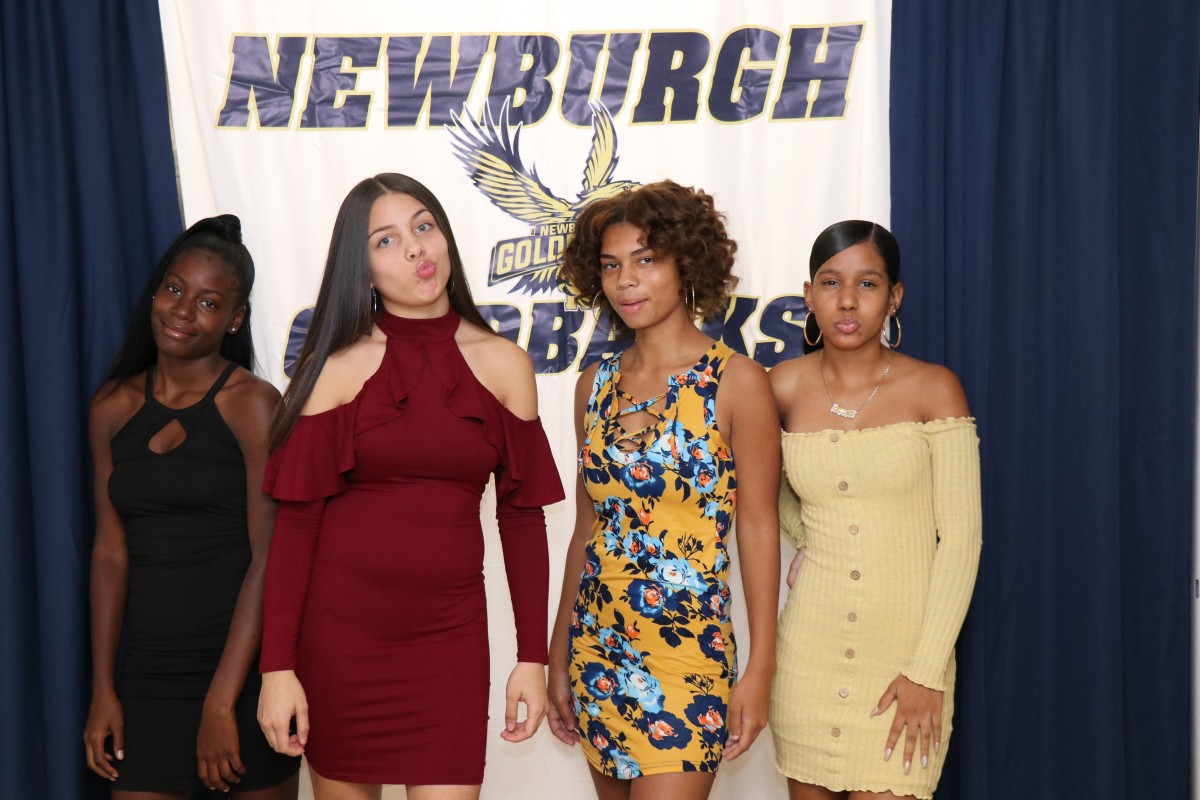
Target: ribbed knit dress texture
<point>891,519</point>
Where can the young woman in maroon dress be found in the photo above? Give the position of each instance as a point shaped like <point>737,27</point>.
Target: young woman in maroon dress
<point>403,405</point>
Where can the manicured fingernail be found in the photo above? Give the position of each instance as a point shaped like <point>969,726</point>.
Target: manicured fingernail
<point>907,765</point>
<point>509,726</point>
<point>924,762</point>
<point>875,712</point>
<point>887,754</point>
<point>120,755</point>
<point>936,745</point>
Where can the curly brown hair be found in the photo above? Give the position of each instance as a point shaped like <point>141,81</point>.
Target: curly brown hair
<point>679,221</point>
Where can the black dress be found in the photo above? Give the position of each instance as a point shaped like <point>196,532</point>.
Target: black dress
<point>184,513</point>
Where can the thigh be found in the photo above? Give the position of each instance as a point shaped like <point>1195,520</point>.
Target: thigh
<point>672,786</point>
<point>329,789</point>
<point>806,791</point>
<point>288,790</point>
<point>442,792</point>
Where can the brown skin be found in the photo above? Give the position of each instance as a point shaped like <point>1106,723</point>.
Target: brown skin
<point>646,291</point>
<point>850,297</point>
<point>410,267</point>
<point>194,307</point>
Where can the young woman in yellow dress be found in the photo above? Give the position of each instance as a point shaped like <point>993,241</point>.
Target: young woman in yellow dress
<point>642,658</point>
<point>881,497</point>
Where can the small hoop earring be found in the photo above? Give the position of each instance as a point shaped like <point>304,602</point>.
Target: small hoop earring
<point>690,300</point>
<point>820,333</point>
<point>374,302</point>
<point>899,332</point>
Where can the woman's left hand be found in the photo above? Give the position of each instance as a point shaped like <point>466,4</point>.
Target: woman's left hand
<point>220,762</point>
<point>919,709</point>
<point>747,713</point>
<point>526,684</point>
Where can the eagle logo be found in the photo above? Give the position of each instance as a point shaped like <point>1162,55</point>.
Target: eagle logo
<point>489,150</point>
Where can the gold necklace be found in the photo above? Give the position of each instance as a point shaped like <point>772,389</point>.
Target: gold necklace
<point>851,413</point>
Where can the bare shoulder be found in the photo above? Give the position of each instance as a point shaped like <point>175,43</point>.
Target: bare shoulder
<point>502,367</point>
<point>789,376</point>
<point>344,373</point>
<point>938,391</point>
<point>745,375</point>
<point>583,386</point>
<point>114,403</point>
<point>247,403</point>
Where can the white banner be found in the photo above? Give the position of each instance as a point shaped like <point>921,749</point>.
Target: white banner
<point>778,109</point>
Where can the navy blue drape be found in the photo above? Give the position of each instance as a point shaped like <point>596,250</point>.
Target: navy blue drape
<point>87,202</point>
<point>1044,195</point>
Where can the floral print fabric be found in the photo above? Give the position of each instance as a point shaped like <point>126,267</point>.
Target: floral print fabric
<point>651,650</point>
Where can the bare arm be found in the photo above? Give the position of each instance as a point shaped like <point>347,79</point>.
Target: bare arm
<point>108,588</point>
<point>247,408</point>
<point>562,705</point>
<point>754,438</point>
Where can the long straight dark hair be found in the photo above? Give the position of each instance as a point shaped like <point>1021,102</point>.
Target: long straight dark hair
<point>221,237</point>
<point>344,310</point>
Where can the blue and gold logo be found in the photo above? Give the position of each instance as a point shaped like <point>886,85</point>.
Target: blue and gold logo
<point>489,149</point>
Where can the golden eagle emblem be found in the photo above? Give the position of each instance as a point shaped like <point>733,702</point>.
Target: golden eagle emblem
<point>489,149</point>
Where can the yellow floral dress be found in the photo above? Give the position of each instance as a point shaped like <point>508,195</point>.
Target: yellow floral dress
<point>651,650</point>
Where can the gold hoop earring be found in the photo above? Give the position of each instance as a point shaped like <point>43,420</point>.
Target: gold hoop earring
<point>689,300</point>
<point>594,305</point>
<point>808,341</point>
<point>899,332</point>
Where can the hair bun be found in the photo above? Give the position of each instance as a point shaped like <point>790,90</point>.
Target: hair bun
<point>229,226</point>
<point>226,226</point>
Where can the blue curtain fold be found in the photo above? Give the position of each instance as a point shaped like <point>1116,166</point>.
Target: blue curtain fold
<point>1044,170</point>
<point>87,202</point>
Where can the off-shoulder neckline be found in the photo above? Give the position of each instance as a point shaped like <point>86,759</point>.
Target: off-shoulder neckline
<point>941,422</point>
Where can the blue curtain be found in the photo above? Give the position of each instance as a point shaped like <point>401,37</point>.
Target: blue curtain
<point>87,202</point>
<point>1044,195</point>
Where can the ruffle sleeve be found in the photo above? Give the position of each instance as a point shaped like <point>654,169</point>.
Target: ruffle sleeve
<point>313,461</point>
<point>526,475</point>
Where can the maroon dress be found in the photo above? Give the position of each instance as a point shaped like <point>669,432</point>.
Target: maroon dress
<point>374,591</point>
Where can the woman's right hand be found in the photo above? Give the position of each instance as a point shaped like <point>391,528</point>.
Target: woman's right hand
<point>794,569</point>
<point>281,699</point>
<point>105,718</point>
<point>562,705</point>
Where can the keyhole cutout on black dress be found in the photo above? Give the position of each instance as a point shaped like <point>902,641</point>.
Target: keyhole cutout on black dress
<point>636,423</point>
<point>168,438</point>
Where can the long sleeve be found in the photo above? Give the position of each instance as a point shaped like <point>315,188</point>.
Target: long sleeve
<point>954,451</point>
<point>289,568</point>
<point>791,523</point>
<point>526,480</point>
<point>527,565</point>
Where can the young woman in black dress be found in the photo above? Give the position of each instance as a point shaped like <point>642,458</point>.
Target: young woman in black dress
<point>179,441</point>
